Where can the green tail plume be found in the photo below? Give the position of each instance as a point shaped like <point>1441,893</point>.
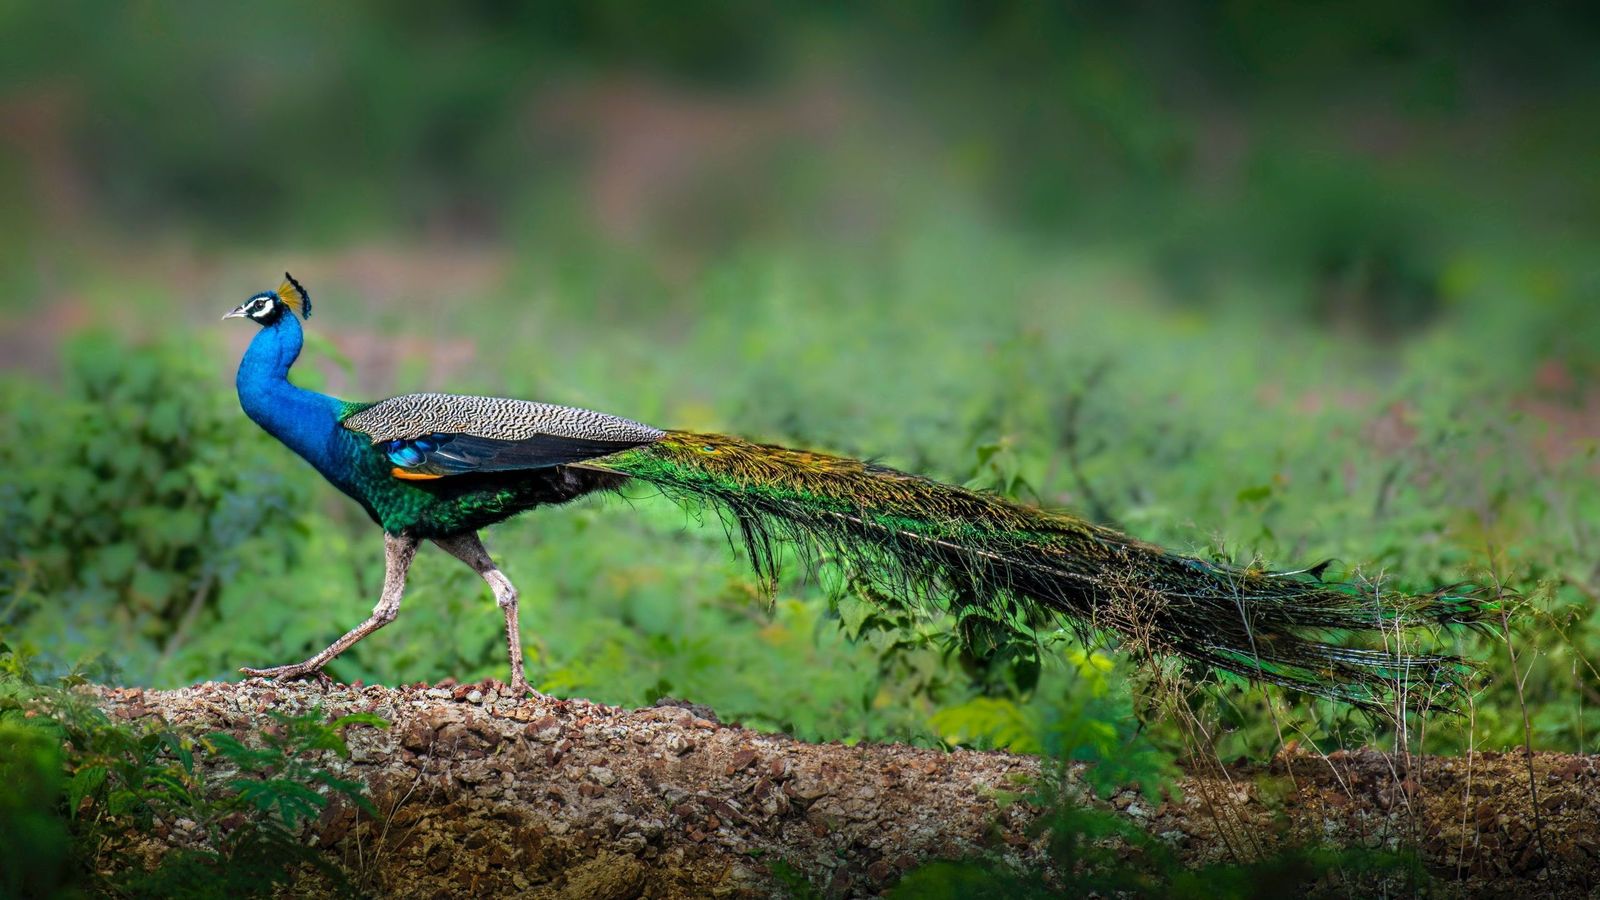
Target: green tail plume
<point>947,545</point>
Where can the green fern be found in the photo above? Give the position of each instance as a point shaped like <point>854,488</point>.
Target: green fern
<point>94,787</point>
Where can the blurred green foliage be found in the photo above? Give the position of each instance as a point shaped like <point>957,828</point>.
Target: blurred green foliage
<point>626,604</point>
<point>1246,280</point>
<point>138,509</point>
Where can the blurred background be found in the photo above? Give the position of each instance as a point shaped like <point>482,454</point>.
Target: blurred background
<point>1286,282</point>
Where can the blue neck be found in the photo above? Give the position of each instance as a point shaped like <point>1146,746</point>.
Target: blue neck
<point>305,421</point>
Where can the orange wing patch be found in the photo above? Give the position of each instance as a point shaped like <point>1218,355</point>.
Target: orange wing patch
<point>412,476</point>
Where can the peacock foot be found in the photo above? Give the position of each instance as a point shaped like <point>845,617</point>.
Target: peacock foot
<point>520,689</point>
<point>290,673</point>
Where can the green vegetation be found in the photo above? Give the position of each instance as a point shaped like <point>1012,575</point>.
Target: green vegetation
<point>151,524</point>
<point>1098,853</point>
<point>1244,282</point>
<point>94,789</point>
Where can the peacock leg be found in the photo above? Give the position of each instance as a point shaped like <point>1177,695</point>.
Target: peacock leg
<point>468,549</point>
<point>398,553</point>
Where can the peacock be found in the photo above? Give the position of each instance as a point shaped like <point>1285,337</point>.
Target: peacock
<point>441,467</point>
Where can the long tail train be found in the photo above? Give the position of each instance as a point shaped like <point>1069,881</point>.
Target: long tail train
<point>946,544</point>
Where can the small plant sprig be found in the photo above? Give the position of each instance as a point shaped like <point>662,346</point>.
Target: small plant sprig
<point>99,788</point>
<point>278,778</point>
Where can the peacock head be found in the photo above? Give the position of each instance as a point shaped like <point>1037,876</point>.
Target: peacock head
<point>267,307</point>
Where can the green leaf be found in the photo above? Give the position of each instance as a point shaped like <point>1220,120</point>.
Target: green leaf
<point>121,801</point>
<point>85,782</point>
<point>294,802</point>
<point>178,748</point>
<point>246,758</point>
<point>1255,493</point>
<point>360,718</point>
<point>115,562</point>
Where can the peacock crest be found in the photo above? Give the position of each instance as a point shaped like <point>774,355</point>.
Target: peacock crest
<point>294,296</point>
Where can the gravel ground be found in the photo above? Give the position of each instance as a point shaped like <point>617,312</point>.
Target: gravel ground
<point>483,795</point>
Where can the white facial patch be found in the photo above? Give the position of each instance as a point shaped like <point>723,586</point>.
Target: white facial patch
<point>260,308</point>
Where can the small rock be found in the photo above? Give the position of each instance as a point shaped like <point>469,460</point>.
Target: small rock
<point>696,709</point>
<point>473,775</point>
<point>724,808</point>
<point>417,737</point>
<point>1528,860</point>
<point>805,789</point>
<point>544,730</point>
<point>741,761</point>
<point>602,776</point>
<point>475,696</point>
<point>460,742</point>
<point>438,693</point>
<point>500,855</point>
<point>773,802</point>
<point>1571,770</point>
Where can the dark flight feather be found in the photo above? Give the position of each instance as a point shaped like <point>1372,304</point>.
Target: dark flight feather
<point>459,454</point>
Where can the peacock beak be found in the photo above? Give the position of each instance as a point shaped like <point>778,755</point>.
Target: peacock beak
<point>238,313</point>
